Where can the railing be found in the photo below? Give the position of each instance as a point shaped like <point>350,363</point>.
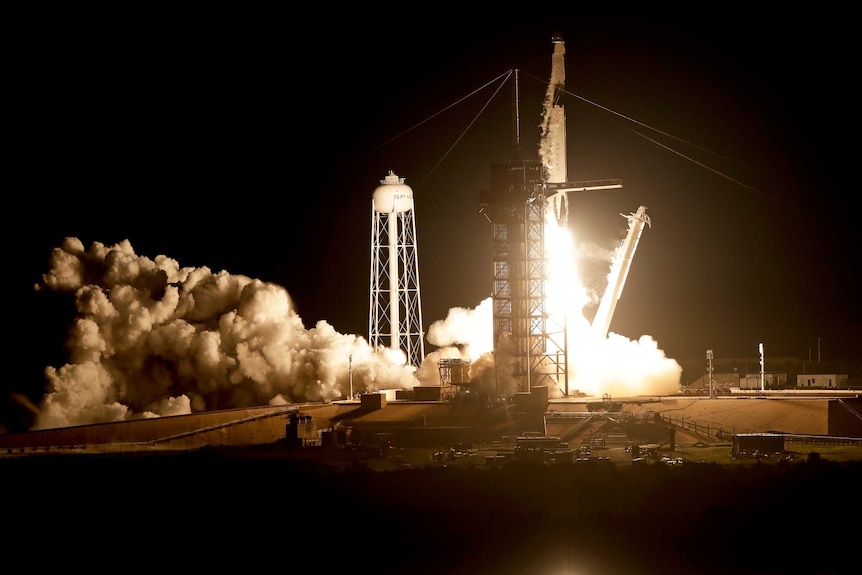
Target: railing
<point>136,446</point>
<point>823,440</point>
<point>582,414</point>
<point>706,431</point>
<point>709,431</point>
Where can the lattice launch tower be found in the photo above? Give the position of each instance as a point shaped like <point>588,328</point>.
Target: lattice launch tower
<point>523,193</point>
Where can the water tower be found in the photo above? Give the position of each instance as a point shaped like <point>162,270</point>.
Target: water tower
<point>395,310</point>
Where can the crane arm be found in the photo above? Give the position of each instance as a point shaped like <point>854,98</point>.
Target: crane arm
<point>619,271</point>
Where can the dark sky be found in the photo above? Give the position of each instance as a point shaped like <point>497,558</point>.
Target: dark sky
<point>252,143</point>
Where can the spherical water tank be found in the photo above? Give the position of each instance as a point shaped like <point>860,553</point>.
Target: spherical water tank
<point>393,195</point>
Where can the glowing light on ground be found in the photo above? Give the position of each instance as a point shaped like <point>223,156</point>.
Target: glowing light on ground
<point>598,365</point>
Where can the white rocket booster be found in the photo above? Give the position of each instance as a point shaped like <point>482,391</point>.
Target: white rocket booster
<point>552,147</point>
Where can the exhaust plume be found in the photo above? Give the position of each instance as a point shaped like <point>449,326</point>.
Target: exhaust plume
<point>152,338</point>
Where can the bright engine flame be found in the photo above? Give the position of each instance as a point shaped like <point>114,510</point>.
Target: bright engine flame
<point>598,365</point>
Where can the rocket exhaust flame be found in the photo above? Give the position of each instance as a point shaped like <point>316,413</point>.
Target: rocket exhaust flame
<point>595,363</point>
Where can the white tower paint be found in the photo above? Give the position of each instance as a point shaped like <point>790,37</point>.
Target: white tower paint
<point>395,310</point>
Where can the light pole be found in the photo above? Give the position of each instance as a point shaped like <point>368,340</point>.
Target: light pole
<point>350,373</point>
<point>709,364</point>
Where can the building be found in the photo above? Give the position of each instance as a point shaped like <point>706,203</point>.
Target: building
<point>770,381</point>
<point>821,381</point>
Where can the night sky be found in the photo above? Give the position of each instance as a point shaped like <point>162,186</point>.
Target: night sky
<point>252,143</point>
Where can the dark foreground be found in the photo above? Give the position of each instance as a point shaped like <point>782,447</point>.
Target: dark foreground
<point>206,512</point>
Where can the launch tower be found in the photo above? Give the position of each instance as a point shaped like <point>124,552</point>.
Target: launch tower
<point>522,192</point>
<point>395,310</point>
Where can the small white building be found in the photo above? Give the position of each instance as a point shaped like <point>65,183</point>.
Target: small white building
<point>821,381</point>
<point>770,381</point>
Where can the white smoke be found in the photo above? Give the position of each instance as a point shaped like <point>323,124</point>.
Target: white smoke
<point>612,364</point>
<point>621,367</point>
<point>597,365</point>
<point>470,329</point>
<point>152,338</point>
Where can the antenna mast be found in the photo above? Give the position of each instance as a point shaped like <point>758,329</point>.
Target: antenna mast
<point>516,115</point>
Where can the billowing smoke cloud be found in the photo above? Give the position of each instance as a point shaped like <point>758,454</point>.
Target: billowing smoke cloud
<point>612,365</point>
<point>152,338</point>
<point>468,334</point>
<point>472,330</point>
<point>593,264</point>
<point>620,367</point>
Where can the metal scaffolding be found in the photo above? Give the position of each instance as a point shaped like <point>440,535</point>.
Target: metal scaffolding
<point>395,310</point>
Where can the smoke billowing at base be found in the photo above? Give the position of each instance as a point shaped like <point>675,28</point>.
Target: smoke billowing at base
<point>152,339</point>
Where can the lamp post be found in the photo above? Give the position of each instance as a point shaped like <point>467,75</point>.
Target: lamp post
<point>762,380</point>
<point>709,364</point>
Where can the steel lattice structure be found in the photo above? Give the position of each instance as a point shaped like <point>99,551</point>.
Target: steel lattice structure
<point>395,310</point>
